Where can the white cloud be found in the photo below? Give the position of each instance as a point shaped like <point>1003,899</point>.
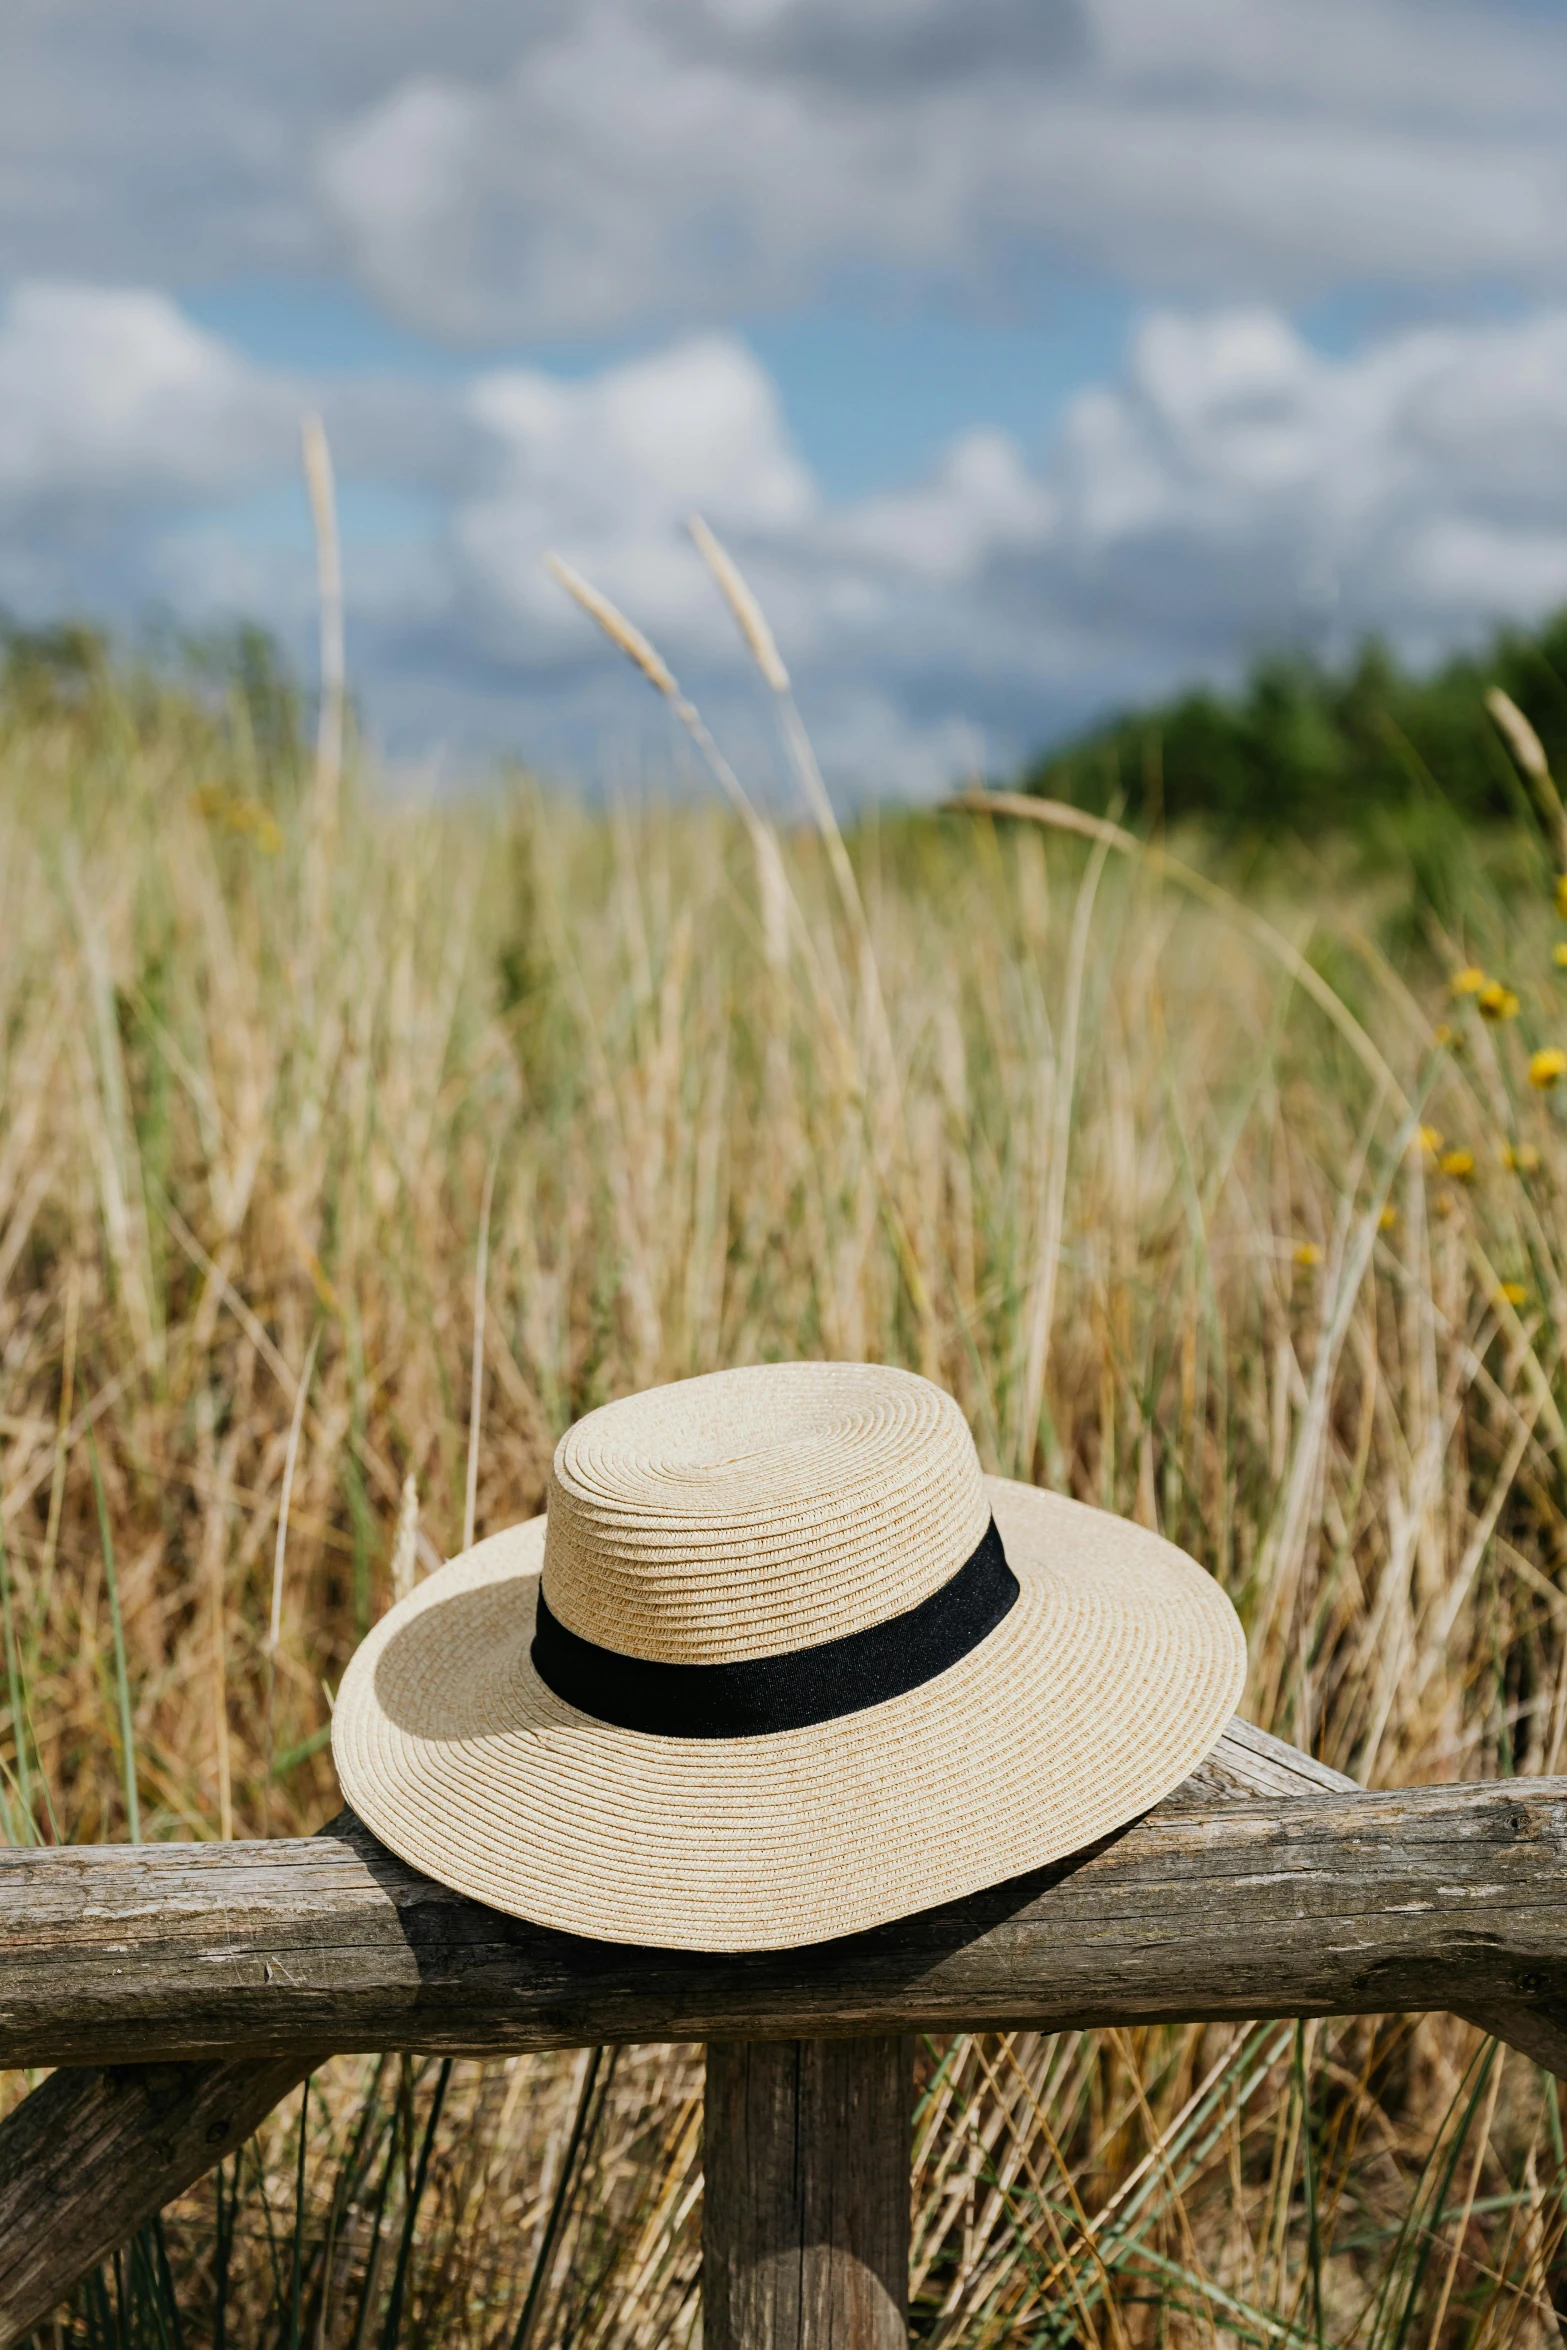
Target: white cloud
<point>611,467</point>
<point>619,164</point>
<point>640,159</point>
<point>1235,452</point>
<point>106,389</point>
<point>1231,488</point>
<point>649,166</point>
<point>982,499</point>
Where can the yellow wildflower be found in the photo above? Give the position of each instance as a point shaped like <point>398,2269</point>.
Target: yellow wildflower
<point>1307,1253</point>
<point>1429,1139</point>
<point>1388,1218</point>
<point>1446,1039</point>
<point>1521,1157</point>
<point>1497,1002</point>
<point>241,816</point>
<point>1513,1293</point>
<point>1460,1164</point>
<point>1469,981</point>
<point>1547,1067</point>
<point>1559,954</point>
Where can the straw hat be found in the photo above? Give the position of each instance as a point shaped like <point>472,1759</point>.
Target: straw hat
<point>793,1666</point>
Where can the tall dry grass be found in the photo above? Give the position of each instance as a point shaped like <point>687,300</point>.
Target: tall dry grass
<point>1020,1113</point>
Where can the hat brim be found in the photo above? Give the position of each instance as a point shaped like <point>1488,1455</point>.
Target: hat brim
<point>1103,1687</point>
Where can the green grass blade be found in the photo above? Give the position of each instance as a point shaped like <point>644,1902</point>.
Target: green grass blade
<point>1308,2162</point>
<point>121,1671</point>
<point>564,2191</point>
<point>394,2312</point>
<point>376,2225</point>
<point>297,2274</point>
<point>13,1677</point>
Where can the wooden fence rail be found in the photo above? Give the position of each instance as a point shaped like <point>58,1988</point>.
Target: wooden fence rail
<point>188,1987</point>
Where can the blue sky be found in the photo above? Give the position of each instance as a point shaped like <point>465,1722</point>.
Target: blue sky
<point>871,396</point>
<point>1031,355</point>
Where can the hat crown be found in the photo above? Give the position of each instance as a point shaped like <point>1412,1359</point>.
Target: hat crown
<point>754,1512</point>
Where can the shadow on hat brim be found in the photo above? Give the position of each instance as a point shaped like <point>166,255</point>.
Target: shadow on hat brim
<point>1098,1693</point>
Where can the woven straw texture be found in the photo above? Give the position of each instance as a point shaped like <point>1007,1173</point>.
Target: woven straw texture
<point>759,1510</point>
<point>745,1514</point>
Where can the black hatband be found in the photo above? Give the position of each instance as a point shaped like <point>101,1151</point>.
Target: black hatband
<point>790,1691</point>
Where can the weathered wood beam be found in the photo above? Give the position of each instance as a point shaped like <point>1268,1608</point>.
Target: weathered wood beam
<point>95,2127</point>
<point>1252,1762</point>
<point>91,2155</point>
<point>1338,1903</point>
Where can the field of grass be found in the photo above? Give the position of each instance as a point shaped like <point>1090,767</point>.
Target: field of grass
<point>348,1151</point>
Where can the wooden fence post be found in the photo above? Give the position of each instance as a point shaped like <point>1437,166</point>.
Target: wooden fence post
<point>198,1981</point>
<point>805,2226</point>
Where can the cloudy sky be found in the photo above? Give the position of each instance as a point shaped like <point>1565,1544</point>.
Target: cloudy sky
<point>1031,355</point>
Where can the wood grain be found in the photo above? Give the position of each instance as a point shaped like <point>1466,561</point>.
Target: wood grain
<point>90,2156</point>
<point>244,1949</point>
<point>1332,1902</point>
<point>1248,1761</point>
<point>805,2214</point>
